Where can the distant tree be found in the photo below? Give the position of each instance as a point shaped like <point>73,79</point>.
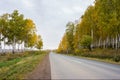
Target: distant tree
<point>63,46</point>
<point>39,44</point>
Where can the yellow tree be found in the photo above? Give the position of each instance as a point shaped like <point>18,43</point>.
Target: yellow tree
<point>29,33</point>
<point>70,36</point>
<point>39,43</point>
<point>63,46</point>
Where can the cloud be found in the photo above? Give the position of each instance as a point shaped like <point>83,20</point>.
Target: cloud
<point>67,11</point>
<point>27,3</point>
<point>50,16</point>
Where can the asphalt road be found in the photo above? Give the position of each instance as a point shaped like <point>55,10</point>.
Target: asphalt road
<point>67,67</point>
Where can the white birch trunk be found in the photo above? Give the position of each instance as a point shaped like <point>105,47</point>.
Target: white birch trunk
<point>14,45</point>
<point>4,46</point>
<point>104,44</point>
<point>92,38</point>
<point>99,44</point>
<point>107,42</point>
<point>0,43</point>
<point>113,43</point>
<point>116,43</point>
<point>119,41</point>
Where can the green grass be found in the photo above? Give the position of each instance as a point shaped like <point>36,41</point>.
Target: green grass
<point>8,63</point>
<point>20,65</point>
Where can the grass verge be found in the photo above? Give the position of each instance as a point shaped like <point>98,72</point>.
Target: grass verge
<point>96,59</point>
<point>104,55</point>
<point>16,66</point>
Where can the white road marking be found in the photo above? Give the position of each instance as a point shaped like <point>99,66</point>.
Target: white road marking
<point>72,60</point>
<point>76,61</point>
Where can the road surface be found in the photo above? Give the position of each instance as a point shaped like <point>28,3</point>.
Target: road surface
<point>66,67</point>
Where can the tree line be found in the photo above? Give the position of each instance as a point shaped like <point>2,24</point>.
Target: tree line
<point>99,27</point>
<point>15,29</point>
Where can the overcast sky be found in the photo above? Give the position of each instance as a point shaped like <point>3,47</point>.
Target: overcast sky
<point>50,16</point>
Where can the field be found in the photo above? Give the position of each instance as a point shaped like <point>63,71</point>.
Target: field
<point>17,66</point>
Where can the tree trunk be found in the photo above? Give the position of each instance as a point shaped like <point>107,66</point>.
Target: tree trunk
<point>13,50</point>
<point>23,46</point>
<point>67,51</point>
<point>4,47</point>
<point>116,43</point>
<point>90,48</point>
<point>14,44</point>
<point>104,44</point>
<point>110,42</point>
<point>0,43</point>
<point>18,47</point>
<point>92,39</point>
<point>113,43</point>
<point>119,41</point>
<point>99,44</point>
<point>107,42</point>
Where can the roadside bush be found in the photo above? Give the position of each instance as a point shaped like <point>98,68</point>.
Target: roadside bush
<point>78,52</point>
<point>116,58</point>
<point>101,54</point>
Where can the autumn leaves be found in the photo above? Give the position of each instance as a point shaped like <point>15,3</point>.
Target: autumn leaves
<point>16,30</point>
<point>99,27</point>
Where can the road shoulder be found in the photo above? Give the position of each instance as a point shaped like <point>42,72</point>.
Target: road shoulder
<point>42,71</point>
